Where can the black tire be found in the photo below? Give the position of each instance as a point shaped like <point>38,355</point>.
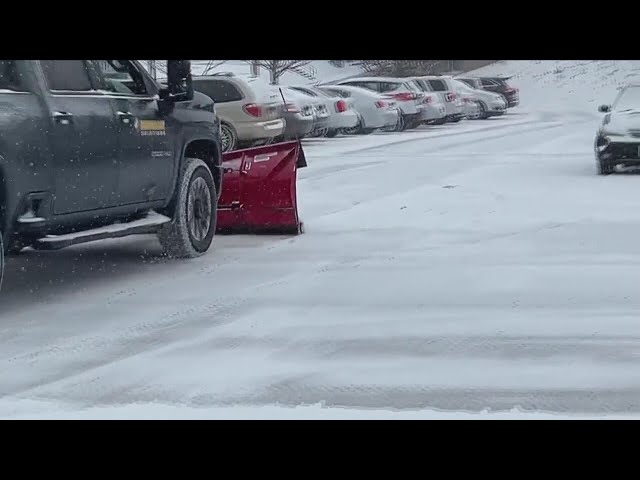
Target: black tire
<point>332,132</point>
<point>605,168</point>
<point>228,137</point>
<point>359,129</point>
<point>402,125</point>
<point>411,124</point>
<point>189,235</point>
<point>355,130</point>
<point>483,111</point>
<point>476,115</point>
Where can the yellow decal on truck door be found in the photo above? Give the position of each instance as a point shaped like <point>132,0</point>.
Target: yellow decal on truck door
<point>152,127</point>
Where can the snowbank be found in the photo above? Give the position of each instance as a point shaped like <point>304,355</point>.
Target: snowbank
<point>573,86</point>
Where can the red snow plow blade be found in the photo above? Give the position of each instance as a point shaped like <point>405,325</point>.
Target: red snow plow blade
<point>259,190</point>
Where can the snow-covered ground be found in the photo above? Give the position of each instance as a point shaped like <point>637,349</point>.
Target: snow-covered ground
<point>567,85</point>
<point>478,270</point>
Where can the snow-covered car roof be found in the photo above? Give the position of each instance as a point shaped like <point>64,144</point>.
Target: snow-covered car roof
<point>379,79</point>
<point>353,88</point>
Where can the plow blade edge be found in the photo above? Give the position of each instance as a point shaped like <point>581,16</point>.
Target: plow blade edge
<point>259,190</point>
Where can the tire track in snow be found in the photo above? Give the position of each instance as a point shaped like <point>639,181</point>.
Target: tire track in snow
<point>399,183</point>
<point>152,337</point>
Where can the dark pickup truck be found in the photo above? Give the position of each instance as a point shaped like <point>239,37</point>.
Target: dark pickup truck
<point>93,149</point>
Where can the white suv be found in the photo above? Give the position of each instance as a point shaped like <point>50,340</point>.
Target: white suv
<point>408,99</point>
<point>446,89</point>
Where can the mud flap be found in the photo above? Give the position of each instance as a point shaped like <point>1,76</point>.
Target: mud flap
<point>259,192</point>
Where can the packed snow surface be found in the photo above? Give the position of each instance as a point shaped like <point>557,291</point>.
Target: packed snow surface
<point>473,270</point>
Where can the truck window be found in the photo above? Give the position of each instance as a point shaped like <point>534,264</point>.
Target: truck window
<point>219,91</point>
<point>121,76</point>
<point>9,78</point>
<point>69,75</point>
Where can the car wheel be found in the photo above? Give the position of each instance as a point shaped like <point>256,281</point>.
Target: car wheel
<point>400,125</point>
<point>320,132</point>
<point>261,142</point>
<point>191,231</point>
<point>332,132</point>
<point>411,124</point>
<point>476,113</point>
<point>482,114</point>
<point>228,137</point>
<point>354,130</point>
<point>605,168</point>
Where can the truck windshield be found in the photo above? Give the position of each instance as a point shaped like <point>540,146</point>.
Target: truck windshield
<point>629,99</point>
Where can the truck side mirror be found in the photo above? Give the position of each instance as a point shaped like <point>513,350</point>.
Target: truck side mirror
<point>604,108</point>
<point>179,81</point>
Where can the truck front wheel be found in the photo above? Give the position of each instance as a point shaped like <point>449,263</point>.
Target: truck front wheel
<point>193,226</point>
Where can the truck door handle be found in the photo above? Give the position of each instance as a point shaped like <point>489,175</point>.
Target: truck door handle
<point>125,117</point>
<point>64,118</point>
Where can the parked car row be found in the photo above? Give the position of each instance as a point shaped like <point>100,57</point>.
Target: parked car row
<point>253,112</point>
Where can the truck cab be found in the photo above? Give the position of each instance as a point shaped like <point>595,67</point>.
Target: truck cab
<point>93,149</point>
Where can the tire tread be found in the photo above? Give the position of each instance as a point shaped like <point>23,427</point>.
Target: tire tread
<point>174,236</point>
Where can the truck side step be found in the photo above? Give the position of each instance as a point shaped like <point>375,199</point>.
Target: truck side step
<point>147,225</point>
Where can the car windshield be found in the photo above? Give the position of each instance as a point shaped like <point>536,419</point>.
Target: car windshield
<point>305,91</point>
<point>629,99</point>
<point>323,93</point>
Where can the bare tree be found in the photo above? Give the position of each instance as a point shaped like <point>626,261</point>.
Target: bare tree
<point>207,66</point>
<point>277,68</point>
<point>399,68</point>
<point>158,68</point>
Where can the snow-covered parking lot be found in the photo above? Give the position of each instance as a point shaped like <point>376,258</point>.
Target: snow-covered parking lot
<point>445,271</point>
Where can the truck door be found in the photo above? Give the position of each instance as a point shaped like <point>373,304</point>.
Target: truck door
<point>146,138</point>
<point>83,137</point>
